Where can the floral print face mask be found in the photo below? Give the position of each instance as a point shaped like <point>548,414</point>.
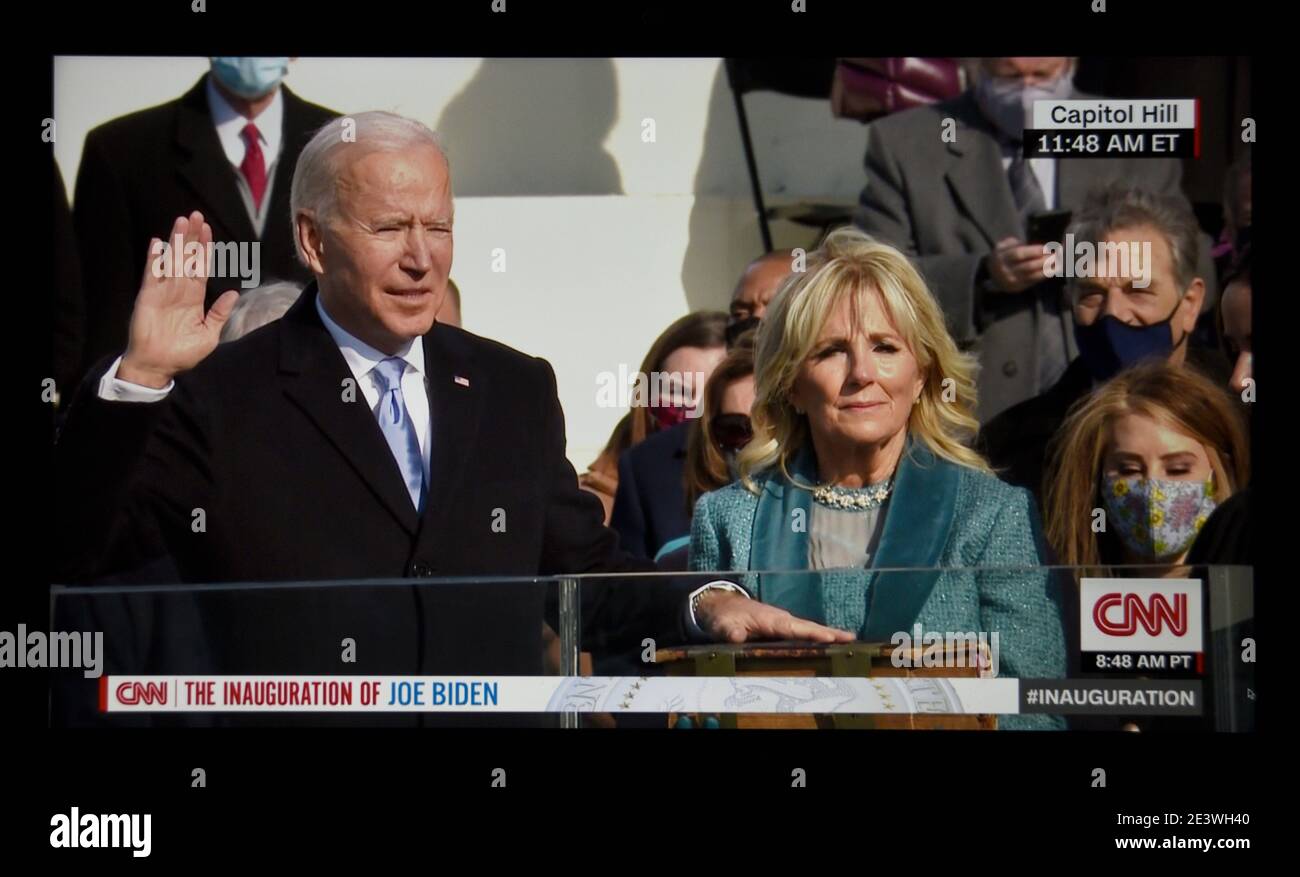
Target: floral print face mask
<point>1156,518</point>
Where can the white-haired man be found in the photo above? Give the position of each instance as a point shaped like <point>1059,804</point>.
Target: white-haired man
<point>257,307</point>
<point>354,438</point>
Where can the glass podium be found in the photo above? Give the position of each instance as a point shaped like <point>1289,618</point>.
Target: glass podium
<point>1026,648</point>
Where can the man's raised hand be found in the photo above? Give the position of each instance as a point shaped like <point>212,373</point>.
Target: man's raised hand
<point>170,331</point>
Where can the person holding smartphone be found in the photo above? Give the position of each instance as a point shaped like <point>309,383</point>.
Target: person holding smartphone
<point>960,207</point>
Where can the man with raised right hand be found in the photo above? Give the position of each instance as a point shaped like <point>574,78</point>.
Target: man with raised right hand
<point>354,438</point>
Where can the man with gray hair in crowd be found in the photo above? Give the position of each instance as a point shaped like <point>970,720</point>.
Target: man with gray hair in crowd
<point>1142,305</point>
<point>354,438</point>
<point>948,184</point>
<point>257,307</point>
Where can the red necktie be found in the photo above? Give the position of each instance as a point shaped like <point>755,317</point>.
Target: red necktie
<point>254,166</point>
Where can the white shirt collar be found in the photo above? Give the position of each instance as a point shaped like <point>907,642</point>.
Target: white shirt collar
<point>230,125</point>
<point>360,356</point>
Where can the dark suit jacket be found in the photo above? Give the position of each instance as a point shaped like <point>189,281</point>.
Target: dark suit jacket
<point>650,505</point>
<point>1226,537</point>
<point>67,299</point>
<point>141,171</point>
<point>948,203</point>
<point>1015,442</point>
<point>297,484</point>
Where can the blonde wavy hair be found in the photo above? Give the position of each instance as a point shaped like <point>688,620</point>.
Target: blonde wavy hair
<point>850,264</point>
<point>1175,396</point>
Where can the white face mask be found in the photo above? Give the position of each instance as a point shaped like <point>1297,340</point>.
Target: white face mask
<point>1009,105</point>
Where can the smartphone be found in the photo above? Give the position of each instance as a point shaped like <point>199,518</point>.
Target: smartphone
<point>1044,228</point>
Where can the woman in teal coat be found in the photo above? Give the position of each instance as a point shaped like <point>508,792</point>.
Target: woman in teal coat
<point>860,471</point>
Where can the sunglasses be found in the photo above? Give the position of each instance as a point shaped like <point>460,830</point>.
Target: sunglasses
<point>731,432</point>
<point>736,328</point>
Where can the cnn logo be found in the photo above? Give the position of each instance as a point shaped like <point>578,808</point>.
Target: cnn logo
<point>1120,614</point>
<point>1154,615</point>
<point>148,694</point>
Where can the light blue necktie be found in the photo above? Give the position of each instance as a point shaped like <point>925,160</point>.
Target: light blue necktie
<point>395,423</point>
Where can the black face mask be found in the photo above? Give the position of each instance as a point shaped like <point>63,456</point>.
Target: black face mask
<point>1108,346</point>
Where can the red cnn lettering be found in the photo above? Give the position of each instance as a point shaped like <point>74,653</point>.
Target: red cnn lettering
<point>1152,617</point>
<point>131,693</point>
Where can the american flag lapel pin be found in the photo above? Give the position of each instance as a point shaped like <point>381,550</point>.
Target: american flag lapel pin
<point>463,381</point>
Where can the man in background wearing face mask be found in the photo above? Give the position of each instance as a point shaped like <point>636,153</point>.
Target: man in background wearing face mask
<point>1118,322</point>
<point>227,148</point>
<point>957,198</point>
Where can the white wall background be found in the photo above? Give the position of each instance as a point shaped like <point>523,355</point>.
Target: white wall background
<point>608,238</point>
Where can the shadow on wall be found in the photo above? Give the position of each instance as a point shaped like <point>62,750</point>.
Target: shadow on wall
<point>534,127</point>
<point>721,186</point>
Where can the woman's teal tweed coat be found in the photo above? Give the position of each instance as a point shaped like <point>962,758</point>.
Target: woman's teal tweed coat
<point>961,551</point>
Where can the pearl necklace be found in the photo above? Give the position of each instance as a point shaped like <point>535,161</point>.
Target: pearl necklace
<point>855,498</point>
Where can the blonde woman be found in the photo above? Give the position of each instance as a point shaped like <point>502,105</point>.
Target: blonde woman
<point>1158,447</point>
<point>860,462</point>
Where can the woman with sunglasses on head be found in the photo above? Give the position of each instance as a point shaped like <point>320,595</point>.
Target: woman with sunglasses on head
<point>719,434</point>
<point>860,509</point>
